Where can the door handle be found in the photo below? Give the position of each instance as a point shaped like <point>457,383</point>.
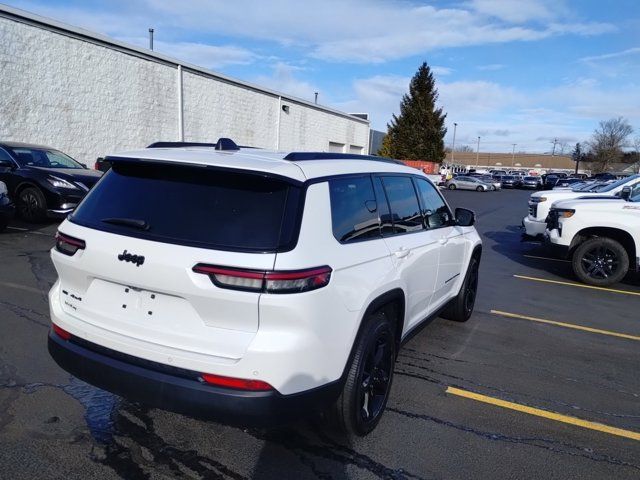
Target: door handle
<point>443,240</point>
<point>401,253</point>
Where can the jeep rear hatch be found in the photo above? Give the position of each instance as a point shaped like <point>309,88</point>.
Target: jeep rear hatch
<point>142,230</point>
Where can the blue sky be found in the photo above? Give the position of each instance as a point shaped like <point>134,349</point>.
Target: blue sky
<point>509,71</point>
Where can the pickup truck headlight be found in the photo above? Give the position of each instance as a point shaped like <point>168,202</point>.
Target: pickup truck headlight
<point>61,183</point>
<point>538,199</point>
<point>565,212</point>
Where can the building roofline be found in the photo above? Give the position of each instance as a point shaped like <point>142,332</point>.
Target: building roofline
<point>50,24</point>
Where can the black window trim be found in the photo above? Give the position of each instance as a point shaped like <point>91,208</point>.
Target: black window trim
<point>11,156</point>
<point>451,222</point>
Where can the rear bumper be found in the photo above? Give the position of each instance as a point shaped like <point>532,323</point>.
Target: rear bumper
<point>180,391</point>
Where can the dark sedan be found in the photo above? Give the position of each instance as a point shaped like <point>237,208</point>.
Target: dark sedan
<point>43,181</point>
<point>509,181</point>
<point>6,207</point>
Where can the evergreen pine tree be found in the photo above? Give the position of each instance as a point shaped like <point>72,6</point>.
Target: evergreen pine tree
<point>418,132</point>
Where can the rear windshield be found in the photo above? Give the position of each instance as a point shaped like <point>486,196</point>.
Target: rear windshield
<point>194,206</point>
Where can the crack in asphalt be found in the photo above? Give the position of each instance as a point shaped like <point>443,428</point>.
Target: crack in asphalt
<point>543,443</point>
<point>511,392</point>
<point>23,312</point>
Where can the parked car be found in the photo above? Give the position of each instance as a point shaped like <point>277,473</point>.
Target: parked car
<point>465,182</point>
<point>567,182</point>
<point>582,176</point>
<point>102,165</point>
<point>497,185</point>
<point>601,236</point>
<point>534,183</point>
<point>495,172</point>
<point>509,181</point>
<point>272,285</point>
<point>7,209</point>
<point>43,181</point>
<point>540,202</point>
<point>550,181</point>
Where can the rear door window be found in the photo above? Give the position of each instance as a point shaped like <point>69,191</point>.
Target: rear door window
<point>405,210</point>
<point>354,212</point>
<point>434,209</point>
<point>196,206</point>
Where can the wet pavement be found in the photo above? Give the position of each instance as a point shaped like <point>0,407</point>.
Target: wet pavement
<point>54,426</point>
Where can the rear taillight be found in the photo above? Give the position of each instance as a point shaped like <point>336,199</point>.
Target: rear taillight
<point>68,245</point>
<point>62,333</point>
<point>296,281</point>
<point>237,383</point>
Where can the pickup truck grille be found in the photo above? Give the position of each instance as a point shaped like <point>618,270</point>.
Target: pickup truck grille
<point>533,210</point>
<point>552,220</point>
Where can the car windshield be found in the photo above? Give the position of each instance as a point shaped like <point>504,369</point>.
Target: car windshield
<point>614,185</point>
<point>508,177</point>
<point>530,179</point>
<point>41,157</point>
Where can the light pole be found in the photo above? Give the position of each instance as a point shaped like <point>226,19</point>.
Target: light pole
<point>553,152</point>
<point>513,154</point>
<point>478,152</point>
<point>453,147</point>
<point>151,39</point>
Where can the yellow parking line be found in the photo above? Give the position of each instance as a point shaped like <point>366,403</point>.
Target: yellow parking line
<point>566,325</point>
<point>548,258</point>
<point>545,414</point>
<point>571,284</point>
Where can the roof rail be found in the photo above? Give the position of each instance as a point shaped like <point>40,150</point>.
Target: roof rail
<point>222,144</point>
<point>302,156</point>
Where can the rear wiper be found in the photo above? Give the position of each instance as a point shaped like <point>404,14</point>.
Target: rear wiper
<point>128,222</point>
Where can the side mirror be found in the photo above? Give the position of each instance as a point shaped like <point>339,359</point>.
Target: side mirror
<point>465,217</point>
<point>625,194</point>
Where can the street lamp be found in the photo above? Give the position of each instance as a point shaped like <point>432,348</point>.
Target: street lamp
<point>478,152</point>
<point>513,153</point>
<point>453,147</point>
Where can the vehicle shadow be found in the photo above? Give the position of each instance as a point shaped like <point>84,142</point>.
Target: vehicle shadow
<point>47,226</point>
<point>523,250</point>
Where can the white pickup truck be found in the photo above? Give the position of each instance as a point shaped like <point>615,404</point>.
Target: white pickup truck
<point>540,202</point>
<point>600,235</point>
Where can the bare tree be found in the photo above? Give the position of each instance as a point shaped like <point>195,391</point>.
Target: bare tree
<point>562,145</point>
<point>608,140</point>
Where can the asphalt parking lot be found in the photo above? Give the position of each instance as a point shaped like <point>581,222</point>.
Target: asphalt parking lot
<point>542,382</point>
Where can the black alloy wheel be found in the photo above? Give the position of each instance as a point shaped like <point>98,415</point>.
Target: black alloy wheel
<point>375,379</point>
<point>32,206</point>
<point>600,261</point>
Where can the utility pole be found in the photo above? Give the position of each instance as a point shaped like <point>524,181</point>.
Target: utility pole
<point>478,152</point>
<point>553,152</point>
<point>513,154</point>
<point>453,146</point>
<point>151,39</point>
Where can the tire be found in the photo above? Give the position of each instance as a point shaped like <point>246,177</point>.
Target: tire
<point>479,189</point>
<point>452,186</point>
<point>460,308</point>
<point>600,261</point>
<point>3,224</point>
<point>365,393</point>
<point>32,205</point>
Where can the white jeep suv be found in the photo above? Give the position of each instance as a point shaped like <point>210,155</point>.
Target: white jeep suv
<point>540,202</point>
<point>601,236</point>
<point>252,286</point>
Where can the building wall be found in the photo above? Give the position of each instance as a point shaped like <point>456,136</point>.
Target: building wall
<point>90,96</point>
<point>82,98</point>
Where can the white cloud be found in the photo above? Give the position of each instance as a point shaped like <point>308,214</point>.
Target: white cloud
<point>608,56</point>
<point>517,12</point>
<point>283,79</point>
<point>441,71</point>
<point>208,56</point>
<point>359,31</point>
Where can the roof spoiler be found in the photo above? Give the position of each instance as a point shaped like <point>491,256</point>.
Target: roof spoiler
<point>223,143</point>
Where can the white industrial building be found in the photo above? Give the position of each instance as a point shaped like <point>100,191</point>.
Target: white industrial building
<point>89,95</point>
